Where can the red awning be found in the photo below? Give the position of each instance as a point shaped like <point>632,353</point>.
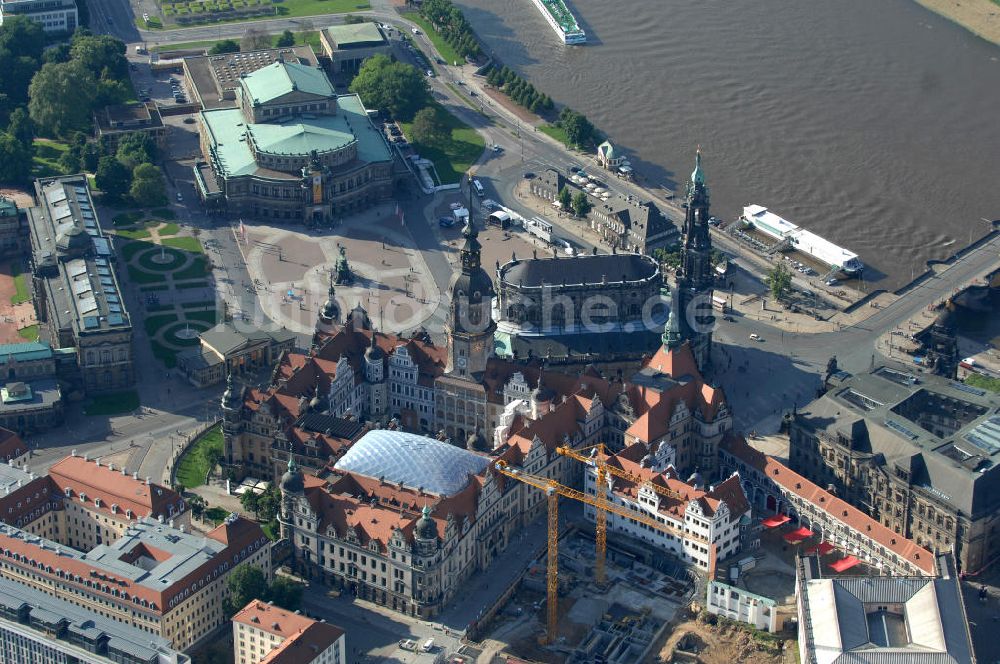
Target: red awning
<point>845,563</point>
<point>797,536</point>
<point>775,521</point>
<point>822,549</point>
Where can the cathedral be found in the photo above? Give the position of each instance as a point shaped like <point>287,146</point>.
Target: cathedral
<point>464,392</point>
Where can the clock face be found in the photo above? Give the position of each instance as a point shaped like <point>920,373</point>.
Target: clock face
<point>461,362</point>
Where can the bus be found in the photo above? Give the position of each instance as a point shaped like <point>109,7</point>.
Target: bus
<point>478,186</point>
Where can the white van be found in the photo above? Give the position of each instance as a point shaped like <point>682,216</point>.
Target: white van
<point>428,645</point>
<point>478,186</point>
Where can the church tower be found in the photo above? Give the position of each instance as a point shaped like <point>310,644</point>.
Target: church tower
<point>470,323</point>
<point>696,278</point>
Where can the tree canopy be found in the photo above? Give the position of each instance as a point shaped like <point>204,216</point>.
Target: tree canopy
<point>779,280</point>
<point>248,583</point>
<point>255,39</point>
<point>113,177</point>
<point>102,55</point>
<point>393,87</point>
<point>565,198</point>
<point>148,188</point>
<point>15,160</point>
<point>287,38</point>
<point>581,205</point>
<point>430,126</point>
<point>224,46</point>
<point>578,128</point>
<point>136,148</point>
<point>62,97</point>
<point>21,44</point>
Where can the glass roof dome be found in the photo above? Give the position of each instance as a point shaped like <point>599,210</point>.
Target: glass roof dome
<point>416,461</point>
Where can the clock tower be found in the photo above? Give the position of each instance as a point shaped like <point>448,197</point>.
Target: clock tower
<point>470,323</point>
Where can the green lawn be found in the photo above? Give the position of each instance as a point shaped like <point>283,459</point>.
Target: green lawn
<point>143,277</point>
<point>301,38</point>
<point>290,8</point>
<point>115,403</point>
<point>557,133</point>
<point>23,293</point>
<point>169,229</point>
<point>192,467</point>
<point>140,234</point>
<point>196,270</point>
<point>29,333</point>
<point>126,218</point>
<point>191,244</point>
<point>210,317</point>
<point>46,160</point>
<point>449,54</point>
<point>984,382</point>
<point>153,324</point>
<point>453,160</point>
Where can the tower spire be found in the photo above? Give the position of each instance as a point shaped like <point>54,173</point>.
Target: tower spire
<point>672,330</point>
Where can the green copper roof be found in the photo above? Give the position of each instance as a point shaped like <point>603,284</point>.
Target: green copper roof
<point>7,207</point>
<point>355,35</point>
<point>697,175</point>
<point>31,350</point>
<point>229,135</point>
<point>280,78</point>
<point>299,137</point>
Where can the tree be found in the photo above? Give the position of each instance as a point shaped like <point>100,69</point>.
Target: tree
<point>62,97</point>
<point>255,39</point>
<point>58,53</point>
<point>565,198</point>
<point>17,71</point>
<point>287,38</point>
<point>578,129</point>
<point>22,36</point>
<point>102,55</point>
<point>268,503</point>
<point>286,593</point>
<point>430,127</point>
<point>581,205</point>
<point>670,256</point>
<point>197,505</point>
<point>148,188</point>
<point>224,46</point>
<point>779,280</point>
<point>113,177</point>
<point>69,161</point>
<point>136,148</point>
<point>250,502</point>
<point>90,156</point>
<point>245,584</point>
<point>15,160</point>
<point>394,87</point>
<point>21,127</point>
<point>111,91</point>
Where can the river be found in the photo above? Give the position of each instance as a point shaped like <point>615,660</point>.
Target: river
<point>875,124</point>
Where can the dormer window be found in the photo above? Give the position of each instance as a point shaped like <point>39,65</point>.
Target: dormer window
<point>69,492</point>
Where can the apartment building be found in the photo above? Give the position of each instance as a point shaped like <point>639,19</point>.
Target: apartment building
<point>268,634</point>
<point>712,519</point>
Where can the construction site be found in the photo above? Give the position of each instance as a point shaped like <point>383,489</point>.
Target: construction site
<point>588,601</point>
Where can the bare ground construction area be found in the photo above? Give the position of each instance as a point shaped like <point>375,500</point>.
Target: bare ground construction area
<point>693,640</point>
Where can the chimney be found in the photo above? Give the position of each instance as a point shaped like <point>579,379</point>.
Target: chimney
<point>111,466</point>
<point>73,452</point>
<point>97,460</point>
<point>124,471</point>
<point>135,474</point>
<point>147,481</point>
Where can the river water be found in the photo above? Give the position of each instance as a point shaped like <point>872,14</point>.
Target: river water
<point>872,122</point>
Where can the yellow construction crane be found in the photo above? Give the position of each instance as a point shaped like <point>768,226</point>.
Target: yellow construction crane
<point>552,491</point>
<point>602,469</point>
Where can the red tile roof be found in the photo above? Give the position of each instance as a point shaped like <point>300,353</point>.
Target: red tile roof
<point>11,446</point>
<point>839,509</point>
<point>112,487</point>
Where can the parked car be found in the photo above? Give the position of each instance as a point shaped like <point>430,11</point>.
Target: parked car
<point>529,175</point>
<point>408,644</point>
<point>446,222</point>
<point>497,148</point>
<point>188,120</point>
<point>180,100</point>
<point>179,196</point>
<point>756,337</point>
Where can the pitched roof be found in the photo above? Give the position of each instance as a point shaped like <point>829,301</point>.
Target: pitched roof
<point>96,480</point>
<point>839,509</point>
<point>11,445</point>
<point>280,78</point>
